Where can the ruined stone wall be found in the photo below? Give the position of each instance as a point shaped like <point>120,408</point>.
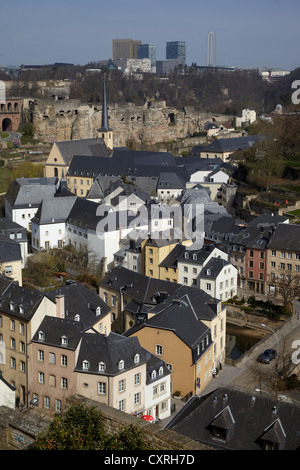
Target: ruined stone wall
<point>148,124</point>
<point>18,430</point>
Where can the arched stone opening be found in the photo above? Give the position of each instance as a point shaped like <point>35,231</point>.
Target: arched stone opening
<point>7,125</point>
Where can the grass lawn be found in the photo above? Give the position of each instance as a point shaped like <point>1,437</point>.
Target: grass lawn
<point>5,179</point>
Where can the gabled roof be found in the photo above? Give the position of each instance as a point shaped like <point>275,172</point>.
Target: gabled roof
<point>18,301</point>
<point>54,210</point>
<point>78,299</point>
<point>54,328</point>
<point>180,318</point>
<point>25,191</point>
<point>285,237</point>
<point>89,147</point>
<point>247,419</point>
<point>10,250</point>
<point>231,144</point>
<point>110,350</point>
<point>213,268</point>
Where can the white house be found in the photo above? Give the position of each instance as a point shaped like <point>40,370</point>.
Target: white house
<point>7,391</point>
<point>24,196</point>
<point>248,117</point>
<point>98,230</point>
<point>157,389</point>
<point>48,226</point>
<point>191,262</point>
<point>219,279</point>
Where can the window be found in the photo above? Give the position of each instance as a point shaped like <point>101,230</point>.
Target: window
<point>113,300</point>
<point>136,358</point>
<point>160,371</point>
<point>41,355</point>
<point>58,405</point>
<point>64,341</point>
<point>85,365</point>
<point>51,358</point>
<point>153,374</point>
<point>122,405</point>
<point>105,297</point>
<point>137,398</point>
<point>64,383</point>
<point>101,367</point>
<point>12,325</point>
<point>63,360</point>
<point>47,402</point>
<point>8,270</point>
<point>208,286</point>
<point>137,379</point>
<point>41,377</point>
<point>158,350</point>
<point>121,385</point>
<point>121,364</point>
<point>52,380</point>
<point>102,388</point>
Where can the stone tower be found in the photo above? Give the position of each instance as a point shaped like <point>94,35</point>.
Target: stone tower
<point>105,132</point>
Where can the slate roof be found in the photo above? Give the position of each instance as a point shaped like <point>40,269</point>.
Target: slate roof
<point>25,191</point>
<point>213,268</point>
<point>54,328</point>
<point>285,237</point>
<point>170,180</point>
<point>10,250</point>
<point>7,226</point>
<point>247,418</point>
<point>89,147</point>
<point>13,294</point>
<point>179,317</point>
<point>231,144</point>
<point>54,210</point>
<point>84,214</point>
<point>136,285</point>
<point>111,350</point>
<point>80,300</point>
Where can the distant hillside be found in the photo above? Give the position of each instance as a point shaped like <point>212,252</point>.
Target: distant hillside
<point>214,91</point>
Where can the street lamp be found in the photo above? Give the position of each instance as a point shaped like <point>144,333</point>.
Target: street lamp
<point>266,326</point>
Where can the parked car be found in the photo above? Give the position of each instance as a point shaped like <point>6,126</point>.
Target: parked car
<point>267,356</point>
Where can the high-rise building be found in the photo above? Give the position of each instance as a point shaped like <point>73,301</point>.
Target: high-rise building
<point>147,51</point>
<point>125,48</point>
<point>176,50</point>
<point>211,50</point>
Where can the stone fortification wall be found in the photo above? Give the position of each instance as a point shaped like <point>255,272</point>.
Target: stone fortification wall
<point>148,124</point>
<point>18,430</point>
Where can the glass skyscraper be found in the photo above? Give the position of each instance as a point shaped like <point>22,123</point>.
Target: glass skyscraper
<point>147,51</point>
<point>176,50</point>
<point>211,50</point>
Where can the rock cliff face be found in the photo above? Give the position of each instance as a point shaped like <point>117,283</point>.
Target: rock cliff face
<point>148,124</point>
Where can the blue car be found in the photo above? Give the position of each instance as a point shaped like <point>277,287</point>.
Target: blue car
<point>267,356</point>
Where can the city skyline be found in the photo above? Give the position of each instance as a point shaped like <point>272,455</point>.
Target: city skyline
<point>249,35</point>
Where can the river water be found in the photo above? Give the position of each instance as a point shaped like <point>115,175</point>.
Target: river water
<point>240,339</point>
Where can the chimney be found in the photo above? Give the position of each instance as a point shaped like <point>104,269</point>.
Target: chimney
<point>60,306</point>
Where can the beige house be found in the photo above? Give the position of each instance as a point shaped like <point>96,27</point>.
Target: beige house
<point>60,156</point>
<point>188,352</point>
<point>21,312</point>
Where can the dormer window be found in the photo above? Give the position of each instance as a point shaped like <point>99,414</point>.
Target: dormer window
<point>136,358</point>
<point>186,255</point>
<point>41,336</point>
<point>160,372</point>
<point>98,311</point>
<point>64,341</point>
<point>153,374</point>
<point>11,306</point>
<point>21,309</point>
<point>101,367</point>
<point>77,317</point>
<point>85,365</point>
<point>121,364</point>
<point>194,256</point>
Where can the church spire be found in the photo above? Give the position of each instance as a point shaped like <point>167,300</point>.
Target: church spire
<point>105,131</point>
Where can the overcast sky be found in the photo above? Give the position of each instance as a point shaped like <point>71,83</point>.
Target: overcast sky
<point>249,33</point>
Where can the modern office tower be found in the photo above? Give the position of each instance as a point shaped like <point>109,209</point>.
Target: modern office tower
<point>147,51</point>
<point>125,48</point>
<point>176,50</point>
<point>211,50</point>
